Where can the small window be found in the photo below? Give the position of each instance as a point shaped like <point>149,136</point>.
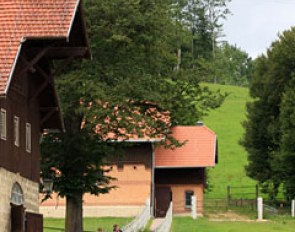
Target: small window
<point>28,137</point>
<point>16,130</point>
<point>188,199</point>
<point>17,197</point>
<point>3,130</point>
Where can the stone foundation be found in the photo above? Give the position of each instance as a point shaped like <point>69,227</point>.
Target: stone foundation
<point>31,197</point>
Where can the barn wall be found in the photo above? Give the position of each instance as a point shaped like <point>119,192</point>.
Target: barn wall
<point>17,103</point>
<point>30,191</point>
<point>132,171</point>
<point>180,181</point>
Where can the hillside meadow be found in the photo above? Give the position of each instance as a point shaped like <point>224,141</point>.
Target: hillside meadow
<point>232,158</point>
<point>183,224</point>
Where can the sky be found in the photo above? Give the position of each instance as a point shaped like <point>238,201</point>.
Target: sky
<point>254,24</point>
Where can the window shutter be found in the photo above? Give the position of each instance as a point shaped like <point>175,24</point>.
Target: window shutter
<point>16,130</point>
<point>3,129</point>
<point>28,138</point>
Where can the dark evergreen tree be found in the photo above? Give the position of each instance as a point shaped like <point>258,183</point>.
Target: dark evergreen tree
<point>266,133</point>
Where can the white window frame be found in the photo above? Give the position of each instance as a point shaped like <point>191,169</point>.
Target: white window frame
<point>28,137</point>
<point>17,196</point>
<point>16,132</point>
<point>188,201</point>
<point>3,124</point>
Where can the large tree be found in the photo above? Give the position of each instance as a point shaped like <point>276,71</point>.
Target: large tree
<point>267,131</point>
<point>132,71</point>
<point>203,22</point>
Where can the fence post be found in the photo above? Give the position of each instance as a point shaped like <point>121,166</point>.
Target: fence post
<point>293,208</point>
<point>256,190</point>
<point>228,195</point>
<point>260,208</point>
<point>194,206</point>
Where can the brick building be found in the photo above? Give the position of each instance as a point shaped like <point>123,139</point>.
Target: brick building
<point>32,35</point>
<point>148,171</point>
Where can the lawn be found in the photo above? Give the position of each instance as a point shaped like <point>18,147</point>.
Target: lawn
<point>188,224</point>
<point>90,224</point>
<point>226,122</point>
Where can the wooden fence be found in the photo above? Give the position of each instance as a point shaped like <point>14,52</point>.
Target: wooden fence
<point>166,224</point>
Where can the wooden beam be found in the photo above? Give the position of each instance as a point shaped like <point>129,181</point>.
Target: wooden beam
<point>44,109</point>
<point>47,81</point>
<point>39,90</point>
<point>50,112</point>
<point>30,64</point>
<point>61,52</point>
<point>46,76</point>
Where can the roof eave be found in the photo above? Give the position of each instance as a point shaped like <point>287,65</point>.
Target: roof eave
<point>183,167</point>
<point>13,67</point>
<point>79,4</point>
<point>72,20</point>
<point>137,140</point>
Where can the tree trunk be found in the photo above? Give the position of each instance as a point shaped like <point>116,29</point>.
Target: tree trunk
<point>178,59</point>
<point>74,215</point>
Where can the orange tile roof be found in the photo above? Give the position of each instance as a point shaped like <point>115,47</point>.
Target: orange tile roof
<point>200,149</point>
<point>21,19</point>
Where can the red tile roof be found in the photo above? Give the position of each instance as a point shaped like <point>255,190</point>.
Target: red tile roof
<point>200,150</point>
<point>21,19</point>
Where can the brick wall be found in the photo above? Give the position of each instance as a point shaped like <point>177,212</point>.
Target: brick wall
<point>180,181</point>
<point>178,198</point>
<point>134,177</point>
<point>30,191</point>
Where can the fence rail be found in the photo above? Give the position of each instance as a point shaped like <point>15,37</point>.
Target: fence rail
<point>140,221</point>
<point>166,224</point>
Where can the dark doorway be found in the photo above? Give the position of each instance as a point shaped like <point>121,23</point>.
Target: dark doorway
<point>163,198</point>
<point>17,218</point>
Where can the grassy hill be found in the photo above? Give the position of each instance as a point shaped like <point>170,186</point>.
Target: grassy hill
<point>226,122</point>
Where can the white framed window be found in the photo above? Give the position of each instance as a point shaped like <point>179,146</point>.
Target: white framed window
<point>17,196</point>
<point>28,137</point>
<point>188,198</point>
<point>16,130</point>
<point>3,125</point>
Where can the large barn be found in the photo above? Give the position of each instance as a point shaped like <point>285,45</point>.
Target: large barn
<point>33,34</point>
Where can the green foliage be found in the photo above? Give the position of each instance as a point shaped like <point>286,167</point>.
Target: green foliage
<point>232,157</point>
<point>199,25</point>
<point>285,161</point>
<point>131,72</point>
<point>269,129</point>
<point>233,66</point>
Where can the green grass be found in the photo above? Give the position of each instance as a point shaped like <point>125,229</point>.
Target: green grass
<point>226,122</point>
<point>188,224</point>
<point>90,224</point>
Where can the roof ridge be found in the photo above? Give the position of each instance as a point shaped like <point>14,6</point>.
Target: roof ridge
<point>196,126</point>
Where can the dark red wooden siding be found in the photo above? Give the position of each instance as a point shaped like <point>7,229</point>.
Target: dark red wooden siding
<point>18,103</point>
